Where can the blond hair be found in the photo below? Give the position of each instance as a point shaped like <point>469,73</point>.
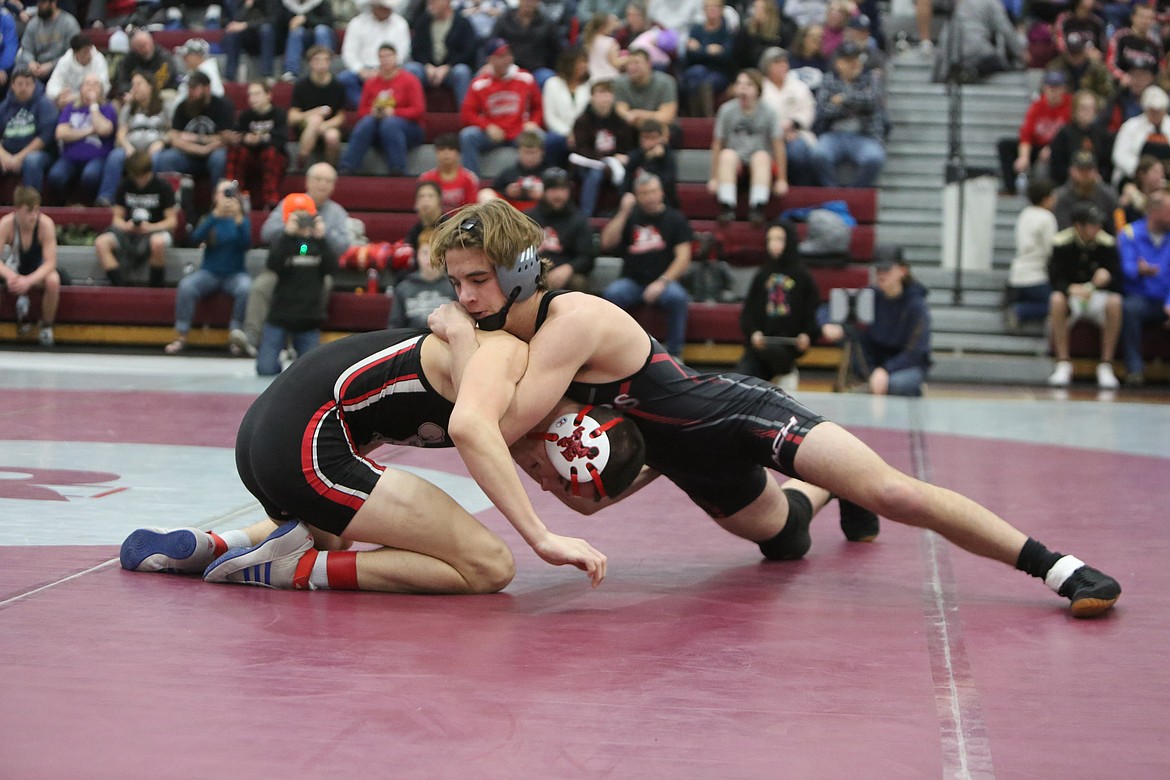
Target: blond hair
<point>496,227</point>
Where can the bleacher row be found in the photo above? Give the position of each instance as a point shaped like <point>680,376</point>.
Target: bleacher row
<point>385,205</point>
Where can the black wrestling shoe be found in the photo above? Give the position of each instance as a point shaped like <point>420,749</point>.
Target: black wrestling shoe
<point>858,523</point>
<point>1090,591</point>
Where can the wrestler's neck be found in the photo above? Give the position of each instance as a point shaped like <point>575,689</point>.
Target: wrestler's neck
<point>521,321</point>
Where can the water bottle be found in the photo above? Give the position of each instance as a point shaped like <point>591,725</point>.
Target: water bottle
<point>22,306</point>
<point>1022,184</point>
<point>372,281</point>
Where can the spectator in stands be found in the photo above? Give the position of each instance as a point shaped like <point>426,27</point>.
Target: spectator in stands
<point>857,32</point>
<point>81,60</point>
<point>1082,71</point>
<point>563,99</point>
<point>302,259</point>
<point>709,60</point>
<point>1028,290</point>
<point>532,37</point>
<point>805,54</point>
<point>85,134</point>
<point>196,140</point>
<point>310,23</point>
<point>639,32</point>
<point>428,205</point>
<point>837,15</point>
<point>1084,132</point>
<point>1043,120</point>
<point>457,185</point>
<point>1083,21</point>
<point>144,221</point>
<point>1086,283</point>
<point>46,39</point>
<point>1146,133</point>
<point>443,49</point>
<point>795,107</point>
<point>146,57</point>
<point>569,242</point>
<point>850,122</point>
<point>644,93</point>
<point>320,181</point>
<point>1145,269</point>
<point>483,15</point>
<point>143,125</point>
<point>892,354</point>
<point>1136,46</point>
<point>605,57</point>
<point>761,32</point>
<point>747,139</point>
<point>364,35</point>
<point>602,140</point>
<point>391,115</point>
<point>196,55</point>
<point>1084,185</point>
<point>318,109</point>
<point>654,241</point>
<point>1149,177</point>
<point>226,235</point>
<point>653,155</point>
<point>1127,101</point>
<point>987,43</point>
<point>501,102</point>
<point>422,291</point>
<point>675,15</point>
<point>31,237</point>
<point>252,30</point>
<point>520,183</point>
<point>781,303</point>
<point>587,9</point>
<point>27,126</point>
<point>257,152</point>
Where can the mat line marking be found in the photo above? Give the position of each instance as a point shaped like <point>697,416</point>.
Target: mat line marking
<point>205,526</point>
<point>966,752</point>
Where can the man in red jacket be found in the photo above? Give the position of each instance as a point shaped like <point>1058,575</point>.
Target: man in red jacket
<point>500,103</point>
<point>1047,114</point>
<point>391,111</point>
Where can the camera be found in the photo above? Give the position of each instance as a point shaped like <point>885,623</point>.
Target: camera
<point>231,191</point>
<point>305,221</point>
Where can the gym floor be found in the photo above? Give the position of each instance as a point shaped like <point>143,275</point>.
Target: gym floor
<point>906,658</point>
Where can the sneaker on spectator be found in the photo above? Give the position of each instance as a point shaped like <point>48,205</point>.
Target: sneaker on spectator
<point>46,336</point>
<point>726,215</point>
<point>288,76</point>
<point>1062,376</point>
<point>756,217</point>
<point>183,550</point>
<point>789,382</point>
<point>270,564</point>
<point>1106,379</point>
<point>1135,379</point>
<point>238,339</point>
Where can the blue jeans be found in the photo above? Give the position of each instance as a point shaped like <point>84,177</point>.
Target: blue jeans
<point>458,79</point>
<point>472,143</point>
<point>627,294</point>
<point>393,134</point>
<point>112,174</point>
<point>556,149</point>
<point>1136,311</point>
<point>907,381</point>
<point>32,170</point>
<point>866,153</point>
<point>299,40</point>
<point>63,173</point>
<point>201,284</point>
<point>353,88</point>
<point>801,172</point>
<point>254,40</point>
<point>1031,303</point>
<point>213,165</point>
<point>272,340</point>
<point>591,181</point>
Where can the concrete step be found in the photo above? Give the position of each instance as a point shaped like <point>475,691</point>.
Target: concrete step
<point>995,369</point>
<point>989,343</point>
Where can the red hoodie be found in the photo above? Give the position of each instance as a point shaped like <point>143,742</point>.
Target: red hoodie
<point>402,91</point>
<point>507,102</point>
<point>1043,121</point>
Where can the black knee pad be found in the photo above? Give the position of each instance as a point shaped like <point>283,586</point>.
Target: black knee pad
<point>793,541</point>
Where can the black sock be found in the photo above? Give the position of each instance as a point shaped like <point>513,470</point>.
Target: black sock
<point>115,276</point>
<point>156,276</point>
<point>793,540</point>
<point>1036,559</point>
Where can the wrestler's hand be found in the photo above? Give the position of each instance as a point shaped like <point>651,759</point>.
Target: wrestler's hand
<point>447,318</point>
<point>561,550</point>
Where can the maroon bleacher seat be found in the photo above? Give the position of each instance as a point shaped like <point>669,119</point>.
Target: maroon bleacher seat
<point>364,193</point>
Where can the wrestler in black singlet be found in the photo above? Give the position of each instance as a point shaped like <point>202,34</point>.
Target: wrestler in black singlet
<point>297,449</point>
<point>29,258</point>
<point>710,434</point>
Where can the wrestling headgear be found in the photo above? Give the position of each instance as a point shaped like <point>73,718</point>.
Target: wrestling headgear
<point>578,448</point>
<point>518,283</point>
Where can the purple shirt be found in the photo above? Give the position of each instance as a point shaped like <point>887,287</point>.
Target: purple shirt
<point>91,147</point>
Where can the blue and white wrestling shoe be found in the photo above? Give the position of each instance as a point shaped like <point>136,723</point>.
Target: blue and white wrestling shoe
<point>182,550</point>
<point>270,564</point>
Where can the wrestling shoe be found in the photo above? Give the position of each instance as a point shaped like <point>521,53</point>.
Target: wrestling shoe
<point>181,551</point>
<point>270,564</point>
<point>1090,591</point>
<point>858,523</point>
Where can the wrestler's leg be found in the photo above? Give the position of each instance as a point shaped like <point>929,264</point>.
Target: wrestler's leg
<point>767,515</point>
<point>433,544</point>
